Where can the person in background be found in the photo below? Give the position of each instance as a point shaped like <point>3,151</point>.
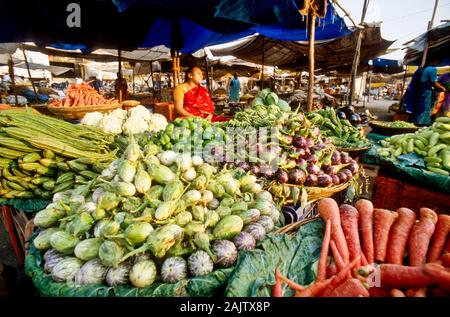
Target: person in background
<point>424,99</point>
<point>444,106</point>
<point>235,89</point>
<point>122,85</point>
<point>193,100</point>
<point>96,83</point>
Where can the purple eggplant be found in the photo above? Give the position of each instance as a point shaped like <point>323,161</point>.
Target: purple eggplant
<point>282,176</point>
<point>335,179</point>
<point>343,178</point>
<point>353,167</point>
<point>348,173</point>
<point>301,152</point>
<point>312,169</point>
<point>299,141</point>
<point>345,158</point>
<point>336,158</point>
<point>297,177</point>
<point>311,158</point>
<point>309,142</point>
<point>269,174</point>
<point>311,180</point>
<point>330,169</point>
<point>324,180</point>
<point>302,163</point>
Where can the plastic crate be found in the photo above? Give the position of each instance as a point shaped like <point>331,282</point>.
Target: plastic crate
<point>391,193</point>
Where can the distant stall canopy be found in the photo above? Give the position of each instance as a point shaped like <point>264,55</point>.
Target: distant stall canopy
<point>335,54</point>
<point>438,50</point>
<point>386,66</point>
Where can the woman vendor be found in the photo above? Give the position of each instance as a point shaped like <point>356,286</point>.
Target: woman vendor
<point>193,100</point>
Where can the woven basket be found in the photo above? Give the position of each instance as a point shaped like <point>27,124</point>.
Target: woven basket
<point>293,227</point>
<point>75,113</point>
<point>380,129</point>
<point>128,104</point>
<point>316,193</point>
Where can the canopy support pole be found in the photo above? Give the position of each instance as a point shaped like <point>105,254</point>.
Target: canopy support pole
<point>404,83</point>
<point>311,59</point>
<point>13,80</point>
<point>119,86</point>
<point>430,26</point>
<point>208,82</point>
<point>262,63</point>
<point>29,72</point>
<point>357,54</point>
<point>176,69</point>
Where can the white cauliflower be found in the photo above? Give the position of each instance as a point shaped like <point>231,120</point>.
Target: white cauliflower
<point>92,119</point>
<point>119,113</point>
<point>111,124</point>
<point>140,112</point>
<point>157,123</point>
<point>135,125</point>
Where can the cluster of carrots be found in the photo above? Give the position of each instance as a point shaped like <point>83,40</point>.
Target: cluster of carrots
<point>82,95</point>
<point>369,247</point>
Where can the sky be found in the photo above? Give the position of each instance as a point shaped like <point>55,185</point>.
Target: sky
<point>402,20</point>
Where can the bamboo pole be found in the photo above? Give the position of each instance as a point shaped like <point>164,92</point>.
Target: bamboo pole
<point>119,85</point>
<point>262,63</point>
<point>357,53</point>
<point>311,59</point>
<point>13,80</point>
<point>208,82</point>
<point>346,14</point>
<point>404,83</point>
<point>430,26</point>
<point>29,72</point>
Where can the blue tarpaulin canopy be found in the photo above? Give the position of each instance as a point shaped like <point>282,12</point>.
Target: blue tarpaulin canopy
<point>177,24</point>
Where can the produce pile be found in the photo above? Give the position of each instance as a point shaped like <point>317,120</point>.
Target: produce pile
<point>192,134</point>
<point>431,143</point>
<point>340,130</point>
<point>153,217</point>
<point>82,95</point>
<point>394,124</point>
<point>40,156</point>
<point>134,121</point>
<point>412,257</point>
<point>355,118</point>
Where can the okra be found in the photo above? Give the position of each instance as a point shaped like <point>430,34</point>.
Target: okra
<point>63,166</point>
<point>63,186</point>
<point>77,167</point>
<point>89,174</point>
<point>47,162</point>
<point>48,154</point>
<point>49,185</point>
<point>68,176</point>
<point>31,157</point>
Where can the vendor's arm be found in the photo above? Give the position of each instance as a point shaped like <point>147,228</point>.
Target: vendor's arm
<point>439,86</point>
<point>178,99</point>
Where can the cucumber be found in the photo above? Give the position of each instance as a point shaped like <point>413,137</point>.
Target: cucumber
<point>438,171</point>
<point>443,119</point>
<point>430,159</point>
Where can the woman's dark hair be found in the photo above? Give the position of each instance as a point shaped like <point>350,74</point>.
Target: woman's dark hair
<point>235,75</point>
<point>190,70</point>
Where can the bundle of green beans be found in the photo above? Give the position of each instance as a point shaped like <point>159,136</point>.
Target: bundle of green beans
<point>432,143</point>
<point>40,156</point>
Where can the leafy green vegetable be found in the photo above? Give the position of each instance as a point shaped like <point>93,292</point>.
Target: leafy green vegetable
<point>294,256</point>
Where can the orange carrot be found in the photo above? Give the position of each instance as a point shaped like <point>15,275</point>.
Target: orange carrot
<point>439,237</point>
<point>365,209</point>
<point>383,220</point>
<point>314,289</point>
<point>399,234</point>
<point>421,292</point>
<point>277,290</point>
<point>329,210</point>
<point>447,247</point>
<point>350,288</point>
<point>363,259</point>
<point>411,292</point>
<point>400,276</point>
<point>337,257</point>
<point>445,259</point>
<point>420,237</point>
<point>395,292</point>
<point>349,222</point>
<point>338,279</point>
<point>322,266</point>
<point>439,274</point>
<point>291,284</point>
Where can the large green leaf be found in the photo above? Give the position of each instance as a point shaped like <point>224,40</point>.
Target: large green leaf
<point>295,256</point>
<point>207,285</point>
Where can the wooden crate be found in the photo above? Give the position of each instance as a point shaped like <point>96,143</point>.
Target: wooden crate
<point>392,193</point>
